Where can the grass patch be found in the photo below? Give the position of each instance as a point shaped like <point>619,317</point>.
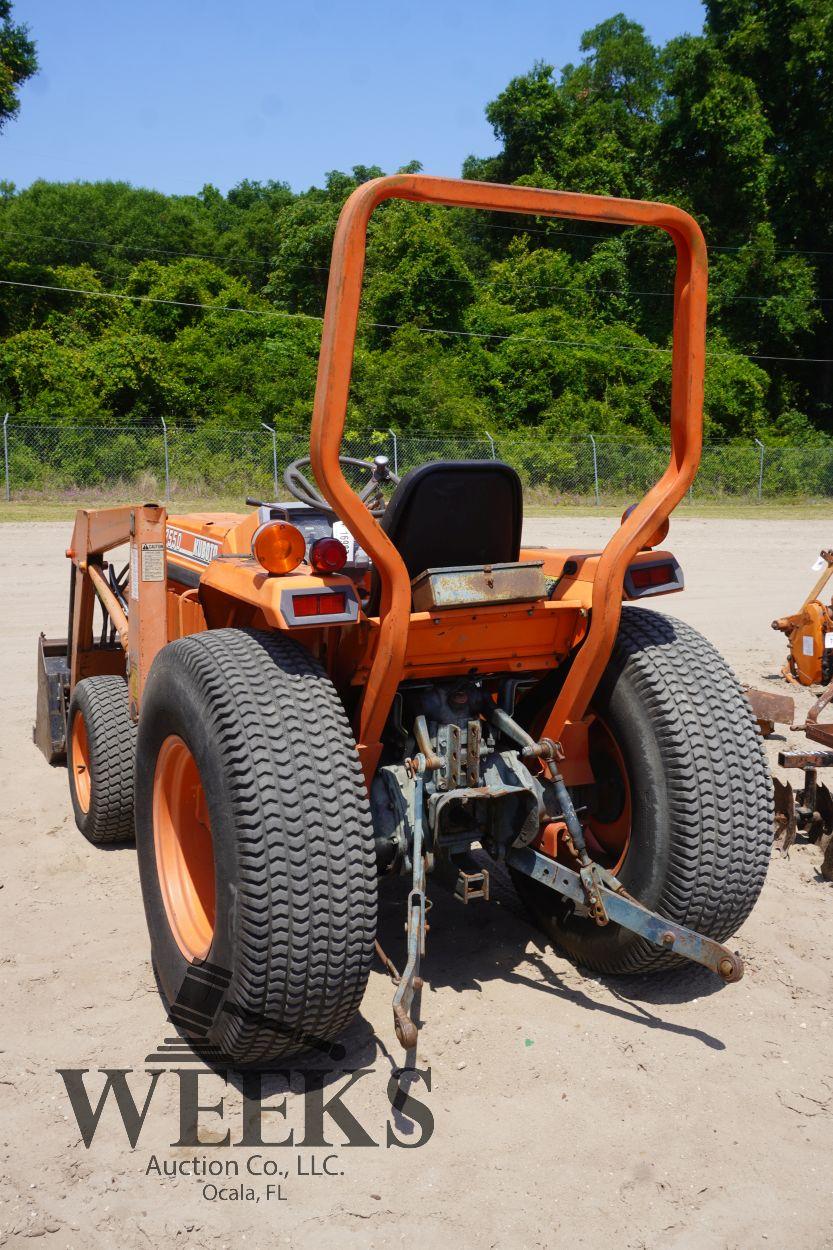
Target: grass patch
<point>23,510</point>
<point>37,508</point>
<point>727,509</point>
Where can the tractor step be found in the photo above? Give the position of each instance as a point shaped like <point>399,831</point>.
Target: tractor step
<point>630,914</point>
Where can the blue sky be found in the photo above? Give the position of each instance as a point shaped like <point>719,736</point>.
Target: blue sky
<point>176,93</point>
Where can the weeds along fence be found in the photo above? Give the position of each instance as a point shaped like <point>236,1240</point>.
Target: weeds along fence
<point>179,463</point>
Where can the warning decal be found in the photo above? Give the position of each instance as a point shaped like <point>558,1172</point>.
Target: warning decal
<point>153,562</point>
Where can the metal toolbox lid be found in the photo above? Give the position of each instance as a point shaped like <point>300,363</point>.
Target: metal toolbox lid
<point>474,584</point>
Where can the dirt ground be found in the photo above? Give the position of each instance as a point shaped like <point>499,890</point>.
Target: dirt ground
<point>568,1111</point>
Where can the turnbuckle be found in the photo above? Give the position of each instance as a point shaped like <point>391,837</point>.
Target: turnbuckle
<point>594,879</point>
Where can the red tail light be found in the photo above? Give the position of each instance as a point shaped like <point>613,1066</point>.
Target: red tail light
<point>328,555</point>
<point>330,604</point>
<point>648,575</point>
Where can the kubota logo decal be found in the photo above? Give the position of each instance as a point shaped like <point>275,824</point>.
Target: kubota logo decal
<point>192,546</point>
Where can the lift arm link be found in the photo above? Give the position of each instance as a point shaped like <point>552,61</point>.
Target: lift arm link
<point>630,915</point>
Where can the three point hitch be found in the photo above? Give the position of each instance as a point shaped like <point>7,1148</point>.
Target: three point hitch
<point>603,895</point>
<point>593,889</point>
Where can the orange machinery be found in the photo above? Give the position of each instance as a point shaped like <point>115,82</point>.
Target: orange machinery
<point>495,696</point>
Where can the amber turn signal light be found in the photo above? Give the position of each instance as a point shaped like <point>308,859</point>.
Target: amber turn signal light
<point>278,546</point>
<point>653,540</point>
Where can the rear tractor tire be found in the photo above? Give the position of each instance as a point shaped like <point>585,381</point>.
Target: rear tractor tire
<point>101,751</point>
<point>255,846</point>
<point>683,812</point>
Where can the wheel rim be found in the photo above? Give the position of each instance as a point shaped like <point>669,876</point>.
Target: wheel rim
<point>608,823</point>
<point>80,755</point>
<point>184,851</point>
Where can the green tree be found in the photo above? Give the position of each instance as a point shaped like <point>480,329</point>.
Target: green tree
<point>715,139</point>
<point>786,49</point>
<point>415,271</point>
<point>18,62</point>
<point>533,330</point>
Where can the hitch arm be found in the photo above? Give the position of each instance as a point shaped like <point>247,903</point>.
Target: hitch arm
<point>410,980</point>
<point>630,915</point>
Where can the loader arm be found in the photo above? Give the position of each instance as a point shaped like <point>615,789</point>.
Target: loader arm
<point>142,630</point>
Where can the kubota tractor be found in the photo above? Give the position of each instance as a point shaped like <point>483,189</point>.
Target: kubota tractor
<point>291,704</point>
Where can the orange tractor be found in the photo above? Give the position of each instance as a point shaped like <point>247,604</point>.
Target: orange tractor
<point>291,704</point>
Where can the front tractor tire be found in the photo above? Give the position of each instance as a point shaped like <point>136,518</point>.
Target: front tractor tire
<point>696,796</point>
<point>255,845</point>
<point>101,749</point>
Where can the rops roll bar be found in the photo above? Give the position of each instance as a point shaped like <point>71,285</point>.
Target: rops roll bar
<point>330,408</point>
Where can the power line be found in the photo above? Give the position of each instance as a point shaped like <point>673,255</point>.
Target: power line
<point>156,251</point>
<point>151,299</point>
<point>712,247</point>
<point>576,291</point>
<point>602,290</point>
<point>550,230</point>
<point>324,269</point>
<point>384,325</point>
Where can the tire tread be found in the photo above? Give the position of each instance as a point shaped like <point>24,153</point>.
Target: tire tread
<point>307,874</point>
<point>104,703</point>
<point>718,781</point>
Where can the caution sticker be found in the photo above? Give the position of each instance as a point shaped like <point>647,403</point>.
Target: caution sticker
<point>153,562</point>
<point>807,644</point>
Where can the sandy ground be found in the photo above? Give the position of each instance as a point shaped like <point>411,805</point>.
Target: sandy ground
<point>567,1111</point>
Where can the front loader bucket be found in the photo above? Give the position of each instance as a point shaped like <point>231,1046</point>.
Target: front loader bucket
<point>50,729</point>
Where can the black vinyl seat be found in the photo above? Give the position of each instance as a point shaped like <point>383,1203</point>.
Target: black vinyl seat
<point>454,512</point>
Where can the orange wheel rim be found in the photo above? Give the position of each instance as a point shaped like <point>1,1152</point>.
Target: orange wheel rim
<point>608,824</point>
<point>184,851</point>
<point>80,757</point>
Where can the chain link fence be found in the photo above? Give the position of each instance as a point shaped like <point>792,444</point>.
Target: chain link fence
<point>208,463</point>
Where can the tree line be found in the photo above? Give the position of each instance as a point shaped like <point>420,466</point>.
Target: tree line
<point>119,303</point>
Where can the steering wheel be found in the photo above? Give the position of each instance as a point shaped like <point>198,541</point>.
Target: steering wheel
<point>371,495</point>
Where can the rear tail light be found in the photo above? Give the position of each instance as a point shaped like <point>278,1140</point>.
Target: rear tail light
<point>333,603</point>
<point>313,606</point>
<point>646,576</point>
<point>328,555</point>
<point>657,577</point>
<point>278,546</point>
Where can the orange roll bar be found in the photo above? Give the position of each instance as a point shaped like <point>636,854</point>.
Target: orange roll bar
<point>330,409</point>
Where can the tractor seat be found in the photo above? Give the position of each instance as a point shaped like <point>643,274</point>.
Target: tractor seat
<point>453,512</point>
